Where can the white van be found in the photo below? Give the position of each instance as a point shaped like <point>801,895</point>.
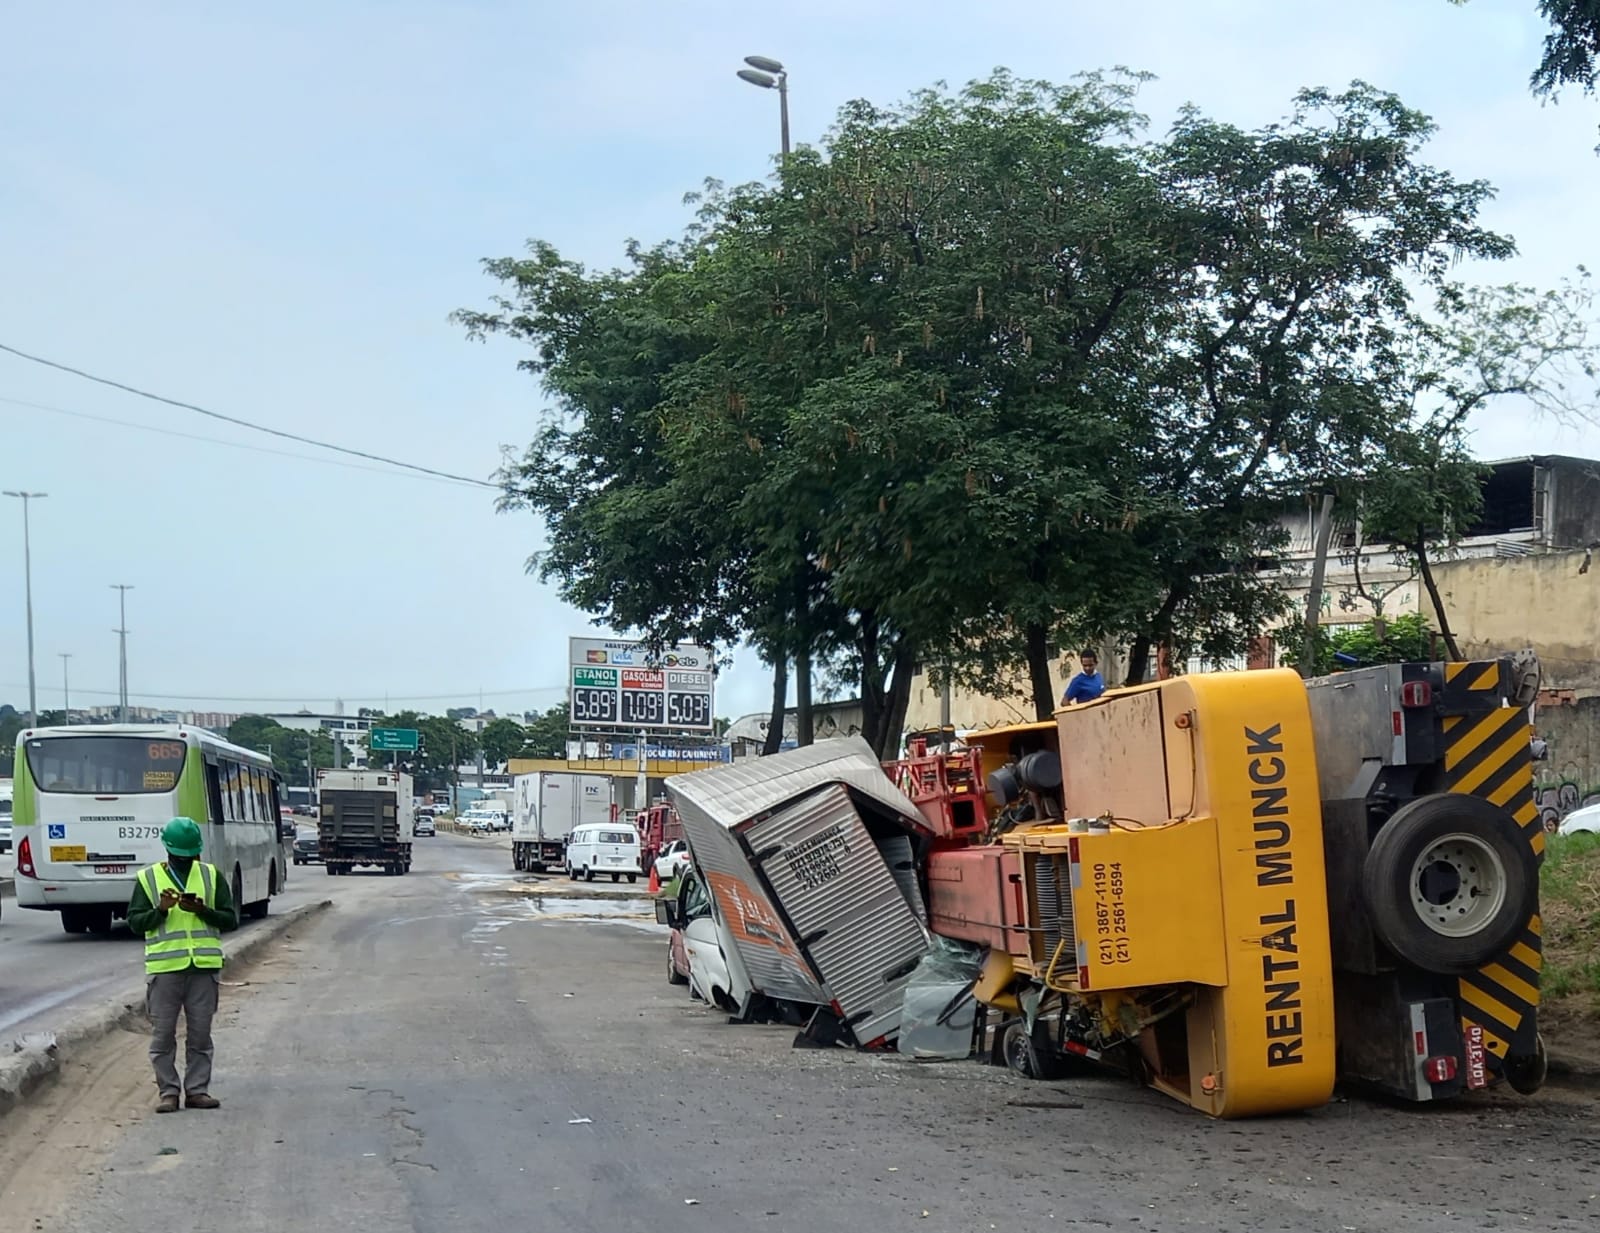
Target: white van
<point>603,847</point>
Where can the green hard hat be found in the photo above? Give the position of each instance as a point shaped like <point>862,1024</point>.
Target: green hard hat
<point>181,837</point>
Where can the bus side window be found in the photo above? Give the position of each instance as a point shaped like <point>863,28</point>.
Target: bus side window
<point>230,792</point>
<point>264,810</point>
<point>214,791</point>
<point>247,791</point>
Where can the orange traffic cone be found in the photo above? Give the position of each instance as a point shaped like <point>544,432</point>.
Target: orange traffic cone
<point>655,880</point>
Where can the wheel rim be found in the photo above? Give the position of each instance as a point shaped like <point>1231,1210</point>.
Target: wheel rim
<point>1458,885</point>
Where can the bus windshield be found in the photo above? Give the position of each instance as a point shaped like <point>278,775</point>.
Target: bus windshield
<point>105,765</point>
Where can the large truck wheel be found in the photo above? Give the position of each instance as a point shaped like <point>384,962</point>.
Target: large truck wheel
<point>1450,882</point>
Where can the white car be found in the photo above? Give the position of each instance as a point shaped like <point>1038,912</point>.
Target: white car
<point>1582,820</point>
<point>672,861</point>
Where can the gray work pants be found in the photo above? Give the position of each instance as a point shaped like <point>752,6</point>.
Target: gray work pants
<point>194,992</point>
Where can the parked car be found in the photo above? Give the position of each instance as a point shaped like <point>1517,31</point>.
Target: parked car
<point>306,811</point>
<point>603,847</point>
<point>694,955</point>
<point>673,860</point>
<point>1581,820</point>
<point>423,826</point>
<point>307,849</point>
<point>479,821</point>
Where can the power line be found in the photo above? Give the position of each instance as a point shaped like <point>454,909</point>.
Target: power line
<point>229,419</point>
<point>301,699</point>
<point>238,445</point>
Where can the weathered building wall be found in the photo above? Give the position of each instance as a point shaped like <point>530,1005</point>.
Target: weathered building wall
<point>1569,777</point>
<point>1503,604</point>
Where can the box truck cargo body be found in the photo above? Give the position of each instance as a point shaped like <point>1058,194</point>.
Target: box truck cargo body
<point>546,807</point>
<point>809,859</point>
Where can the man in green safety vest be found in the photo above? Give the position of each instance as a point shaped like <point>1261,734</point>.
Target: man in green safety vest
<point>182,906</point>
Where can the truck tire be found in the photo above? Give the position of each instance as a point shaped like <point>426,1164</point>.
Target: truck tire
<point>331,870</point>
<point>1450,882</point>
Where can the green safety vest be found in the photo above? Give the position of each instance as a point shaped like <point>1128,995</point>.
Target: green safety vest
<point>181,939</point>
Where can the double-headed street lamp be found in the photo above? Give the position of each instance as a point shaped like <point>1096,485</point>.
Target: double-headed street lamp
<point>769,74</point>
<point>27,585</point>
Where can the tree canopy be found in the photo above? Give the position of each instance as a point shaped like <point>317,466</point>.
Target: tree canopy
<point>987,373</point>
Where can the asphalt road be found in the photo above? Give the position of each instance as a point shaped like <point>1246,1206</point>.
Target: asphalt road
<point>467,1051</point>
<point>46,973</point>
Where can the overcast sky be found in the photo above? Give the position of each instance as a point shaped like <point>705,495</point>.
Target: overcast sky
<point>270,210</point>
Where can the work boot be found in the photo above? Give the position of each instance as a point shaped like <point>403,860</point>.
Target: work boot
<point>167,1104</point>
<point>199,1100</point>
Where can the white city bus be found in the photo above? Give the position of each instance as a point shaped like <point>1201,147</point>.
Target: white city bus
<point>90,803</point>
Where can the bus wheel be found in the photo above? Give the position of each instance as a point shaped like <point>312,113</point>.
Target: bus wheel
<point>75,920</point>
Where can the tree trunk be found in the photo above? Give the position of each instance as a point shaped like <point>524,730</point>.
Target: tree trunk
<point>1138,660</point>
<point>780,698</point>
<point>1426,570</point>
<point>1038,645</point>
<point>898,700</point>
<point>802,697</point>
<point>1139,651</point>
<point>804,721</point>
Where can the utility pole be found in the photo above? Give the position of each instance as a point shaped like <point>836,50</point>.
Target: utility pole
<point>122,590</point>
<point>66,695</point>
<point>27,576</point>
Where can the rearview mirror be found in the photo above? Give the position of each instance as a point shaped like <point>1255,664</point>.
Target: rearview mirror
<point>667,914</point>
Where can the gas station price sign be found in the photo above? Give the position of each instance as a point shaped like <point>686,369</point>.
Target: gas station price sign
<point>617,684</point>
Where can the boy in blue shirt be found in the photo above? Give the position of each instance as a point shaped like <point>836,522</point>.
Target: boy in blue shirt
<point>1088,684</point>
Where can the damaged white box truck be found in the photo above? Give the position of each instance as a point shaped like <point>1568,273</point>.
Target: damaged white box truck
<point>810,858</point>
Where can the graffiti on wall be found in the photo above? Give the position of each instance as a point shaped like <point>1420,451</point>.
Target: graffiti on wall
<point>1559,798</point>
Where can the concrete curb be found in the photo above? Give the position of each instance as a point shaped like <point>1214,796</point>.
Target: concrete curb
<point>35,1063</point>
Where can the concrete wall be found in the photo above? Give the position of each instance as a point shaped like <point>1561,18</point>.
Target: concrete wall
<point>1507,603</point>
<point>1570,777</point>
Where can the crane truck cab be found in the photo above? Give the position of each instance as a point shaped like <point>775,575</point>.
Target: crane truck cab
<point>1240,886</point>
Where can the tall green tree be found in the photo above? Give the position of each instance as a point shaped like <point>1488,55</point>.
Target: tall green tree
<point>501,739</point>
<point>1480,346</point>
<point>546,736</point>
<point>1310,238</point>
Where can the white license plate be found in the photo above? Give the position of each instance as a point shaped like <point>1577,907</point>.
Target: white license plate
<point>111,869</point>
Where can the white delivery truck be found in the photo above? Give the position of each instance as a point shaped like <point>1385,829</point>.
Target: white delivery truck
<point>364,818</point>
<point>809,859</point>
<point>547,807</point>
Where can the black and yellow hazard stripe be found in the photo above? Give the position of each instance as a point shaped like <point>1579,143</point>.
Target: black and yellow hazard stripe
<point>1488,753</point>
<point>1472,686</point>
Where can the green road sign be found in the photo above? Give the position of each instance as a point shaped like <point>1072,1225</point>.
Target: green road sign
<point>392,740</point>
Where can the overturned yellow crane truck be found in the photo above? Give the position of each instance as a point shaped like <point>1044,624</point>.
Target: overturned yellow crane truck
<point>1242,886</point>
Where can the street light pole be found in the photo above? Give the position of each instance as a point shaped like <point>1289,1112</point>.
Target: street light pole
<point>770,74</point>
<point>27,575</point>
<point>66,695</point>
<point>122,590</point>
